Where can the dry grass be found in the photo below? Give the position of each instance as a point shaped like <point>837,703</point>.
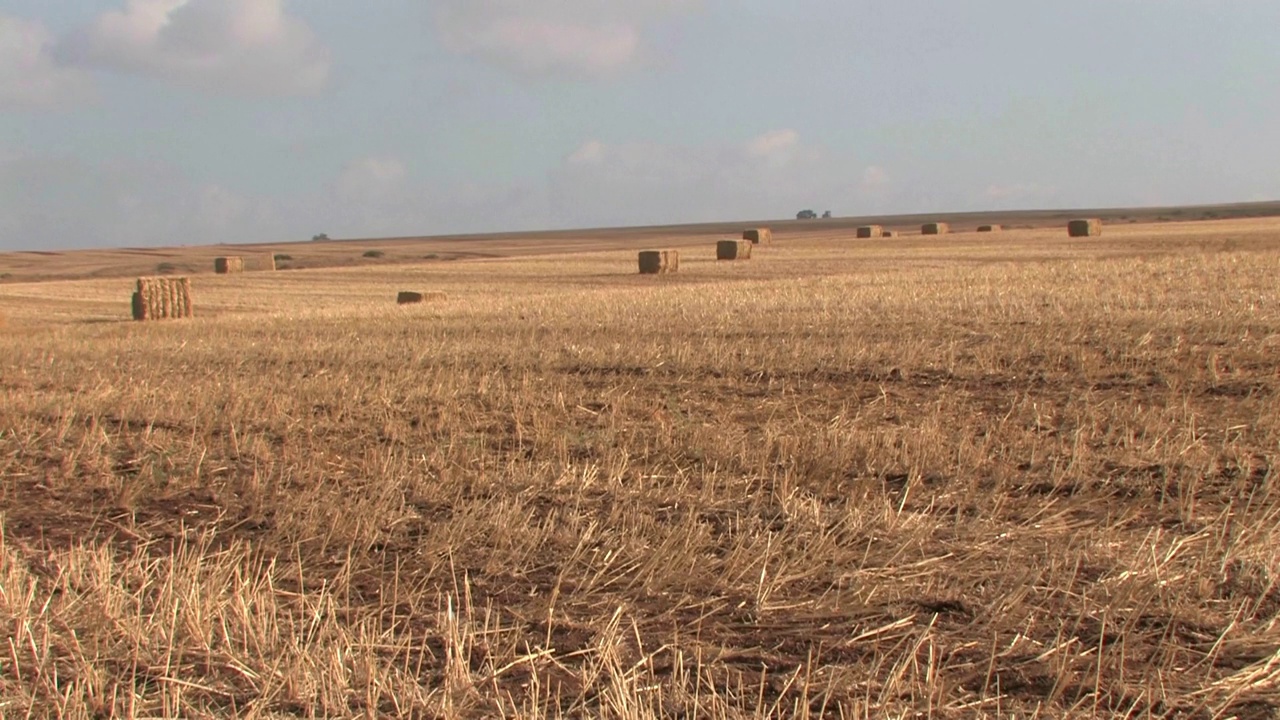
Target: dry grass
<point>1014,476</point>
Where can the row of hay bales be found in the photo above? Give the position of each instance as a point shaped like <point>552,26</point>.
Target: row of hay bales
<point>1075,228</point>
<point>665,262</point>
<point>169,298</point>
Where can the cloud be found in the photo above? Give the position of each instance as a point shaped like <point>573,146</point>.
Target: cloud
<point>249,47</point>
<point>874,177</point>
<point>1006,195</point>
<point>771,175</point>
<point>552,38</point>
<point>30,77</point>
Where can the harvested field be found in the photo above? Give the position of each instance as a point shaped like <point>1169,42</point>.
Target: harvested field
<point>1017,476</point>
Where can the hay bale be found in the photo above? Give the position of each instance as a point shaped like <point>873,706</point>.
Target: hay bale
<point>733,250</point>
<point>870,231</point>
<point>1085,228</point>
<point>228,265</point>
<point>758,236</point>
<point>889,233</point>
<point>659,262</point>
<point>406,297</point>
<point>989,228</point>
<point>269,262</point>
<point>162,299</point>
<point>935,228</point>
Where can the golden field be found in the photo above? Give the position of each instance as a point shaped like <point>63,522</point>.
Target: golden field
<point>1008,475</point>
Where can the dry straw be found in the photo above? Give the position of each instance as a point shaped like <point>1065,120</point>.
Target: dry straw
<point>162,299</point>
<point>228,265</point>
<point>936,228</point>
<point>1085,228</point>
<point>407,297</point>
<point>758,236</point>
<point>659,262</point>
<point>870,231</point>
<point>989,228</point>
<point>733,250</point>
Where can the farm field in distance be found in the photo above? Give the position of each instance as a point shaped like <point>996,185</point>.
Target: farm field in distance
<point>972,475</point>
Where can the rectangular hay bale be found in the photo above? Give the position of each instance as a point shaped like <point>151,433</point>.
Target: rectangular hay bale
<point>989,228</point>
<point>407,297</point>
<point>733,250</point>
<point>659,262</point>
<point>162,299</point>
<point>935,228</point>
<point>1085,228</point>
<point>889,233</point>
<point>228,265</point>
<point>758,236</point>
<point>870,231</point>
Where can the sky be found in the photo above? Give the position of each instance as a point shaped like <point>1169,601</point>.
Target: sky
<point>180,122</point>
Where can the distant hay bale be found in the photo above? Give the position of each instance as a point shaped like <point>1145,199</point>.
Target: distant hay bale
<point>269,262</point>
<point>162,299</point>
<point>989,228</point>
<point>406,297</point>
<point>935,228</point>
<point>733,250</point>
<point>758,236</point>
<point>228,265</point>
<point>659,262</point>
<point>1085,228</point>
<point>889,233</point>
<point>870,231</point>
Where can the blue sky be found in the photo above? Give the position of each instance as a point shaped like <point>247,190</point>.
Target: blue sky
<point>159,122</point>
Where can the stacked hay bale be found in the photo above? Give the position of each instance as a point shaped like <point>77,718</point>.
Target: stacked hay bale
<point>162,299</point>
<point>989,228</point>
<point>1085,228</point>
<point>733,250</point>
<point>936,228</point>
<point>659,262</point>
<point>228,265</point>
<point>870,231</point>
<point>758,236</point>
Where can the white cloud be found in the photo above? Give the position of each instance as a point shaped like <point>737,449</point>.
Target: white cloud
<point>552,38</point>
<point>30,77</point>
<point>771,175</point>
<point>230,46</point>
<point>874,177</point>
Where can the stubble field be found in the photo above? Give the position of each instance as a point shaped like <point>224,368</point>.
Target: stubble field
<point>967,476</point>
